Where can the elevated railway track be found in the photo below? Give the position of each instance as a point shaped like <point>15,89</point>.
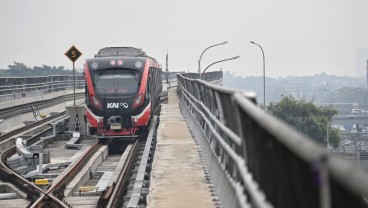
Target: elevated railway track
<point>256,158</point>
<point>54,194</point>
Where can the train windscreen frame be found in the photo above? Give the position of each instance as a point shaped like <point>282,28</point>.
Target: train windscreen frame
<point>117,82</point>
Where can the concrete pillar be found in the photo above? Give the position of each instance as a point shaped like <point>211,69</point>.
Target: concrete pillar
<point>40,162</point>
<point>76,112</point>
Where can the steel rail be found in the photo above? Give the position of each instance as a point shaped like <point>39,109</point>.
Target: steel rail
<point>31,189</point>
<point>24,185</point>
<point>56,191</point>
<point>113,199</point>
<point>73,171</point>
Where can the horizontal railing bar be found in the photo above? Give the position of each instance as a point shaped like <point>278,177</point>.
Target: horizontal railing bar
<point>296,142</point>
<point>257,197</point>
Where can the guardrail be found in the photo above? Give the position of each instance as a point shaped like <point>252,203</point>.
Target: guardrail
<point>257,160</point>
<point>208,76</point>
<point>23,86</point>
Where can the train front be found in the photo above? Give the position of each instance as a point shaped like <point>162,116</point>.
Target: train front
<point>115,95</point>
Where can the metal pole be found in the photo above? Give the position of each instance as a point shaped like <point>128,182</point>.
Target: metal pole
<point>235,57</point>
<point>199,60</point>
<point>264,79</point>
<point>328,139</point>
<point>356,151</point>
<point>74,82</point>
<point>264,74</point>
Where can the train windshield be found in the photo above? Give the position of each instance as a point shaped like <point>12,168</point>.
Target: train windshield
<point>116,82</point>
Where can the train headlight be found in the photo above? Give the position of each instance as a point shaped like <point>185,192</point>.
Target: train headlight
<point>138,64</point>
<point>138,101</point>
<point>96,102</point>
<point>112,120</point>
<point>94,65</point>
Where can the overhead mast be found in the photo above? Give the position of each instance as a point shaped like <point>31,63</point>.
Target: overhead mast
<point>167,68</point>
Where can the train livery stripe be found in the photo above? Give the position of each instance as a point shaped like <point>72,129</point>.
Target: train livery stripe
<point>144,79</point>
<point>92,118</point>
<point>89,80</point>
<point>143,118</point>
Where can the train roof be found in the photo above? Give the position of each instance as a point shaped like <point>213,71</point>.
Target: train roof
<point>120,51</point>
<point>106,54</point>
<point>125,61</point>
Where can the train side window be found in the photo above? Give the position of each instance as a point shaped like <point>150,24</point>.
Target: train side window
<point>148,90</point>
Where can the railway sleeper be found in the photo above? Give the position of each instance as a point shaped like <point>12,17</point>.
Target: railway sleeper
<point>146,184</point>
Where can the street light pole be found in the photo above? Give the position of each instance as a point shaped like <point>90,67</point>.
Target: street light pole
<point>199,60</point>
<point>328,136</point>
<point>235,57</point>
<point>264,75</point>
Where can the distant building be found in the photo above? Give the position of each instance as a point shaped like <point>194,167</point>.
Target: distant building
<point>362,57</point>
<point>342,108</point>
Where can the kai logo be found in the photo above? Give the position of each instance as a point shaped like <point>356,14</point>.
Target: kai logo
<point>112,105</point>
<point>117,105</point>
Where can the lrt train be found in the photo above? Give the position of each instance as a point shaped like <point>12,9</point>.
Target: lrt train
<point>123,86</point>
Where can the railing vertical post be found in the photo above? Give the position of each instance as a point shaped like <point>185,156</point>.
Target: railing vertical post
<point>325,195</point>
<point>74,82</point>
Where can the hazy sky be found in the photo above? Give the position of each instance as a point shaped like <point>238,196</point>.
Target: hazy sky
<point>300,37</point>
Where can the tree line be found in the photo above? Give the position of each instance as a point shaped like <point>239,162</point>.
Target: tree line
<point>308,118</point>
<point>18,69</point>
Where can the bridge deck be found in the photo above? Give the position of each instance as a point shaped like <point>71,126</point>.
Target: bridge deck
<point>177,177</point>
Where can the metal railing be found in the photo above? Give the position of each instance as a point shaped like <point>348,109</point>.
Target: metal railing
<point>257,160</point>
<point>208,76</point>
<point>18,87</point>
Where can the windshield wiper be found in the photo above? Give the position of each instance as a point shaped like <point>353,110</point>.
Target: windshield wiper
<point>98,76</point>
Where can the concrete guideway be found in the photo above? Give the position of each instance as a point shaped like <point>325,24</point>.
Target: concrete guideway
<point>177,178</point>
<point>42,97</point>
<point>18,121</point>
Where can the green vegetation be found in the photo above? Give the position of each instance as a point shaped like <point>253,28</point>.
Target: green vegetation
<point>307,118</point>
<point>21,70</point>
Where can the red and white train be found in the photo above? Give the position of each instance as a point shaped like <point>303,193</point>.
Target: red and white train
<point>123,86</point>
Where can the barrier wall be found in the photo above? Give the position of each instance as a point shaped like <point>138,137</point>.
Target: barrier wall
<point>257,160</point>
<point>20,87</point>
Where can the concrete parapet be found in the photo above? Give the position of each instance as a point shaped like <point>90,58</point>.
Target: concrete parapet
<point>10,188</point>
<point>6,97</point>
<point>120,166</point>
<point>104,181</point>
<point>7,143</point>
